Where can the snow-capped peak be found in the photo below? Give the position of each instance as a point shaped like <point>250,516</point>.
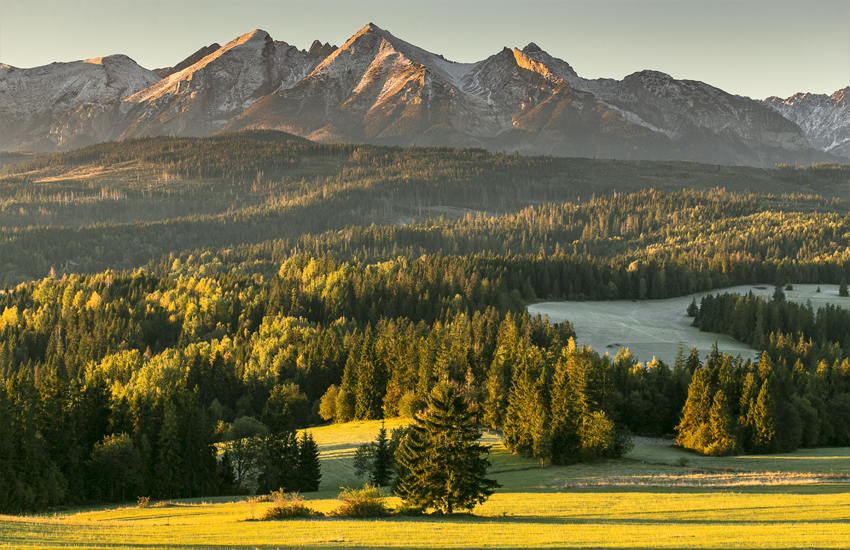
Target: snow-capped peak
<point>824,119</point>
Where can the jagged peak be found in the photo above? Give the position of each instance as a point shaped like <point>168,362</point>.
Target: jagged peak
<point>373,40</point>
<point>317,49</point>
<point>533,58</point>
<point>840,97</point>
<point>370,28</point>
<point>805,96</point>
<point>250,38</point>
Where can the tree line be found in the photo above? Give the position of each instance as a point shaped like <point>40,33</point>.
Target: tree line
<point>796,395</point>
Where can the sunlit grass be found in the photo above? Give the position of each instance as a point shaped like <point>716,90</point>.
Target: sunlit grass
<point>612,504</point>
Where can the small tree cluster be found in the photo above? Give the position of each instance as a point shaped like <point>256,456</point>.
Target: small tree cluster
<point>376,459</point>
<point>264,461</point>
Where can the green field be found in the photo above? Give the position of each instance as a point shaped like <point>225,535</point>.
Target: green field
<point>658,497</point>
<point>654,328</point>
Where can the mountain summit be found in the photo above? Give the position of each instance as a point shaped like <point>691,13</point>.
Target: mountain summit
<point>824,119</point>
<point>378,88</point>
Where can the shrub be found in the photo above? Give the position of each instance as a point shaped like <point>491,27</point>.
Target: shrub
<point>405,509</point>
<point>289,505</point>
<point>367,502</point>
<point>143,502</point>
<point>327,405</point>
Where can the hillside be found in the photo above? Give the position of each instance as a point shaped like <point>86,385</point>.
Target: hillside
<point>122,204</point>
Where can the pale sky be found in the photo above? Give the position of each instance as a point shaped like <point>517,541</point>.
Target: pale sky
<point>756,48</point>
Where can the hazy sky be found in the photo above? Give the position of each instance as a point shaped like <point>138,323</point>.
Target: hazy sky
<point>754,48</point>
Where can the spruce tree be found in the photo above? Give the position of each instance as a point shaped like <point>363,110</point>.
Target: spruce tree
<point>382,465</point>
<point>525,425</point>
<point>722,427</point>
<point>309,472</point>
<point>440,458</point>
<point>564,414</point>
<point>693,430</point>
<point>370,383</point>
<point>764,417</point>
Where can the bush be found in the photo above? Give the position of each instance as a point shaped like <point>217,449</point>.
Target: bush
<point>405,509</point>
<point>367,502</point>
<point>327,404</point>
<point>290,505</point>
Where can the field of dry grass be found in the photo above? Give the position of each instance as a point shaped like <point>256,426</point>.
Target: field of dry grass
<point>657,497</point>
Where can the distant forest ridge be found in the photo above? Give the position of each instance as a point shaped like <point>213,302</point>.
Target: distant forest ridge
<point>119,205</point>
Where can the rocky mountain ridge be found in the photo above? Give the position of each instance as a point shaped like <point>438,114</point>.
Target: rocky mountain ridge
<point>825,119</point>
<point>378,88</point>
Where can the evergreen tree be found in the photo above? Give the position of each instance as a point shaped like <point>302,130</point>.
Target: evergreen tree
<point>722,427</point>
<point>278,463</point>
<point>168,461</point>
<point>842,287</point>
<point>498,384</point>
<point>747,408</point>
<point>526,424</point>
<point>693,430</point>
<point>279,456</point>
<point>779,293</point>
<point>564,415</point>
<point>441,459</point>
<point>382,465</point>
<point>309,470</point>
<point>764,417</point>
<point>370,384</point>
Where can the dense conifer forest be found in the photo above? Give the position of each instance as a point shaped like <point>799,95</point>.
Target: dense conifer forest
<point>175,309</point>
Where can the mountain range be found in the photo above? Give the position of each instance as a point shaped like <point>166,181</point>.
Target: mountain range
<point>380,89</point>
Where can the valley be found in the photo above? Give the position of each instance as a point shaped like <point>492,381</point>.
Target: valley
<point>176,310</point>
<point>655,328</point>
<point>477,275</point>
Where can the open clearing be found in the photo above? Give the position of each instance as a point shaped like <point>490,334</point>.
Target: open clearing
<point>654,328</point>
<point>658,497</point>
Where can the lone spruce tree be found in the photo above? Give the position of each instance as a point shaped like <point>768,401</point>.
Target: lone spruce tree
<point>440,458</point>
<point>309,471</point>
<point>382,466</point>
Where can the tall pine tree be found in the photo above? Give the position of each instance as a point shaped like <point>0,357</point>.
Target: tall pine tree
<point>441,461</point>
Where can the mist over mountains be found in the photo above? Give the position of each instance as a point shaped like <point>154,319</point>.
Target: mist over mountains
<point>379,89</point>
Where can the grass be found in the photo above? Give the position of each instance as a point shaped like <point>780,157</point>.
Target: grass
<point>654,328</point>
<point>639,502</point>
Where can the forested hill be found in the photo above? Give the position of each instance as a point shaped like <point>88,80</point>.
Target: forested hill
<point>258,291</point>
<point>122,204</point>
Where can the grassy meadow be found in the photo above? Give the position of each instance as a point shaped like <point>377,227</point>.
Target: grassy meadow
<point>654,328</point>
<point>658,497</point>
